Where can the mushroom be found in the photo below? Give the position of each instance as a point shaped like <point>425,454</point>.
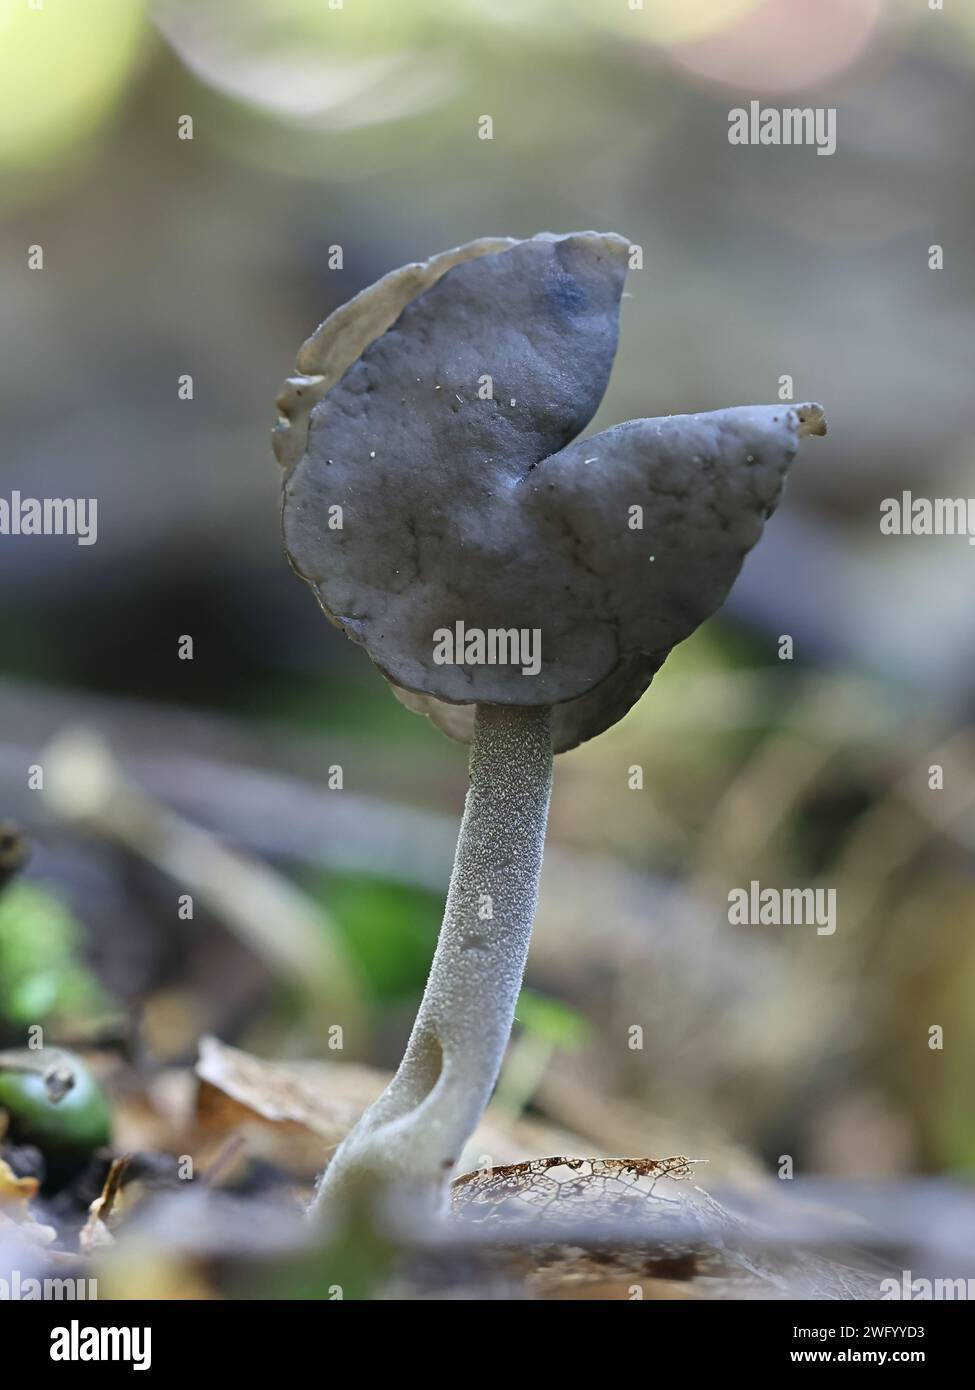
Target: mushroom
<point>519,588</point>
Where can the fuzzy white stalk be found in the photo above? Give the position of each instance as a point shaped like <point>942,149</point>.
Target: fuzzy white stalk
<point>413,1135</point>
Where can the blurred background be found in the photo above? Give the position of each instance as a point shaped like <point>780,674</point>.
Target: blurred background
<point>317,893</point>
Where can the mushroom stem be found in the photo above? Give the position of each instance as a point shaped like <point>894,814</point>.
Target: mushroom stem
<point>414,1133</point>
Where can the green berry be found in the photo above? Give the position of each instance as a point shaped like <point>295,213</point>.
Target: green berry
<point>80,1120</point>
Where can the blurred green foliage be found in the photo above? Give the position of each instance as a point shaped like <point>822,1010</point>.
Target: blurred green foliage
<point>389,930</point>
<point>43,977</point>
<point>551,1021</point>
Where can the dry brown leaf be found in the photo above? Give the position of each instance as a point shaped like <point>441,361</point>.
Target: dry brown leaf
<point>95,1231</point>
<point>568,1228</point>
<point>15,1197</point>
<point>292,1114</point>
<point>569,1188</point>
<point>580,1192</point>
<point>15,1191</point>
<point>297,1113</point>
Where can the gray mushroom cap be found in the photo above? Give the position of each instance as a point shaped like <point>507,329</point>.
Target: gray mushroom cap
<point>431,483</point>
